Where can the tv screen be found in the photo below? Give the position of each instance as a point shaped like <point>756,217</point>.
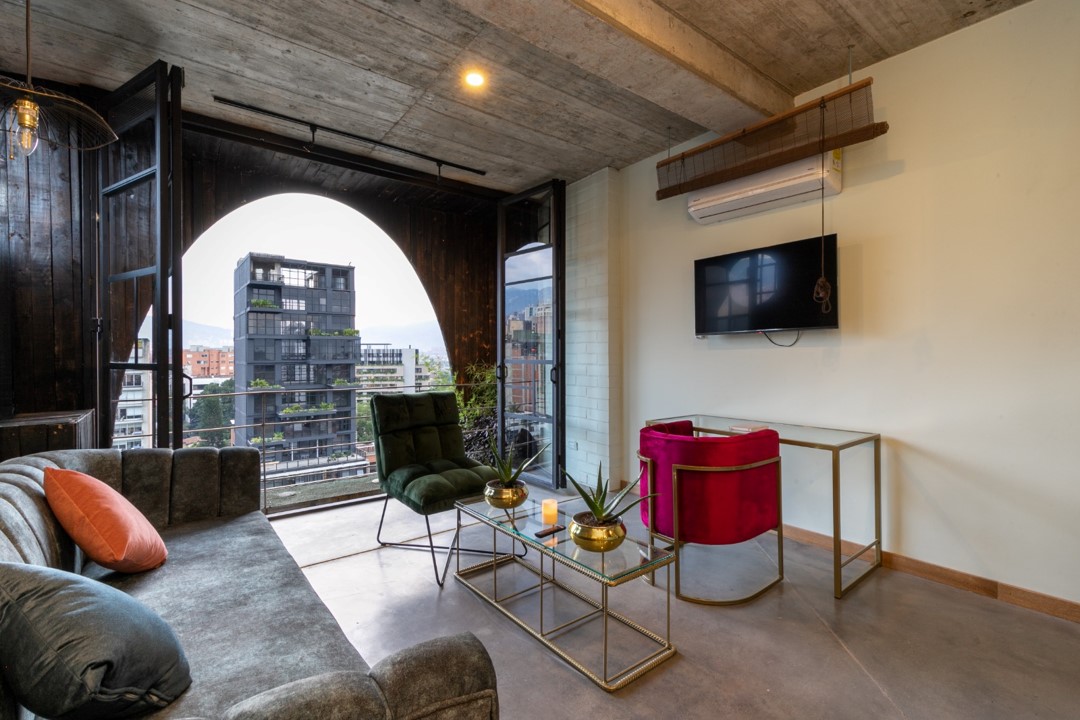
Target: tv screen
<point>769,288</point>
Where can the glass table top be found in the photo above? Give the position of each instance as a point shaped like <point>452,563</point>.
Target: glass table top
<point>626,562</point>
<point>806,435</point>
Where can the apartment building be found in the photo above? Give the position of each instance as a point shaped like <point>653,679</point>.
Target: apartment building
<point>203,362</point>
<point>294,338</point>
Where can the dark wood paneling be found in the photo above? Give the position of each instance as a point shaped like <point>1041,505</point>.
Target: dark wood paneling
<point>43,334</point>
<point>449,242</point>
<point>47,266</point>
<point>38,432</point>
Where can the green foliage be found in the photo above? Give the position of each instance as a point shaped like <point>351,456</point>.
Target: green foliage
<point>505,465</point>
<point>479,397</point>
<point>350,332</point>
<point>326,406</point>
<point>263,304</point>
<point>596,499</point>
<point>211,415</point>
<point>438,373</point>
<point>365,427</point>
<point>291,409</point>
<point>477,403</point>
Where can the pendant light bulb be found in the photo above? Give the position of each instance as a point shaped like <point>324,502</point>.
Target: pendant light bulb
<point>26,126</point>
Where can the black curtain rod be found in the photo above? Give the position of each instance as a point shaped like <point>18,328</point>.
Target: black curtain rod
<point>359,138</point>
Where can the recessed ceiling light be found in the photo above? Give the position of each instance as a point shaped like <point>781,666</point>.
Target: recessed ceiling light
<point>474,78</point>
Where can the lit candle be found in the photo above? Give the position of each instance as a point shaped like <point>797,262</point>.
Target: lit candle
<point>549,511</point>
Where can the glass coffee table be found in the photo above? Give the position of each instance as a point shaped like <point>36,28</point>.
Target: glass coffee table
<point>574,638</point>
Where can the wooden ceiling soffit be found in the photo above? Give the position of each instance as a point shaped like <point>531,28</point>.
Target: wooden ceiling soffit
<point>331,156</point>
<point>842,118</point>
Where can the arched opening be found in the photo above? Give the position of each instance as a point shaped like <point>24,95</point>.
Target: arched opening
<point>320,308</point>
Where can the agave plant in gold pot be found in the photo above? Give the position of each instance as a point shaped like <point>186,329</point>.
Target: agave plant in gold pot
<point>599,528</point>
<point>508,490</point>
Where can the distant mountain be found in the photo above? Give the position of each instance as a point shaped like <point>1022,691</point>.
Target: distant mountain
<point>206,335</point>
<point>520,298</point>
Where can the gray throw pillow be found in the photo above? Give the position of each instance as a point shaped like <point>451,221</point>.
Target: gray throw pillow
<point>74,648</point>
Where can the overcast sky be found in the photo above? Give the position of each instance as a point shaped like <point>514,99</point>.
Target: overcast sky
<point>304,227</point>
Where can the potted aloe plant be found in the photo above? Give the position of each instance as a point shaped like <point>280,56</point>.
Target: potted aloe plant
<point>508,490</point>
<point>599,528</point>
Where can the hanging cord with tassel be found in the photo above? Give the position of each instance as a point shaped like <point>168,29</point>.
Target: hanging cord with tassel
<point>822,288</point>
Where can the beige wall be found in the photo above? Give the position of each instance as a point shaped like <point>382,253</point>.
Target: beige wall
<point>960,320</point>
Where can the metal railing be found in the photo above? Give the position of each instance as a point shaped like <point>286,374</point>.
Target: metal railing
<point>306,458</point>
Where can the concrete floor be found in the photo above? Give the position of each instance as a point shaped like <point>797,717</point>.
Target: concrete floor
<point>895,647</point>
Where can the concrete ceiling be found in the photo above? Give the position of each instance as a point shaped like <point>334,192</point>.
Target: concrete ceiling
<point>573,85</point>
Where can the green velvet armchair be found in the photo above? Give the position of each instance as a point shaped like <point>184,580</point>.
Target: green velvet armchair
<point>421,461</point>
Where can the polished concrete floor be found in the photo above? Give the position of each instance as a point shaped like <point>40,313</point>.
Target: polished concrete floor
<point>895,647</point>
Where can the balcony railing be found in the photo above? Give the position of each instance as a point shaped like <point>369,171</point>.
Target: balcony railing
<point>310,455</point>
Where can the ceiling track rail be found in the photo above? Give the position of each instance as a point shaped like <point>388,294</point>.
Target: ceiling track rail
<point>234,132</point>
<point>315,127</point>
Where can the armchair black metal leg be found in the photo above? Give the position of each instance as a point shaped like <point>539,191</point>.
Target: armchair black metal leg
<point>430,546</point>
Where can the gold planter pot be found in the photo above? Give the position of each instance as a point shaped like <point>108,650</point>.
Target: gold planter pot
<point>596,538</point>
<point>503,497</point>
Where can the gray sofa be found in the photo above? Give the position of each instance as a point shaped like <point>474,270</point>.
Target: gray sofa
<point>259,641</point>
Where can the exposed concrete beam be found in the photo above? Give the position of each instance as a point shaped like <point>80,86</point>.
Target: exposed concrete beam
<point>687,46</point>
<point>641,47</point>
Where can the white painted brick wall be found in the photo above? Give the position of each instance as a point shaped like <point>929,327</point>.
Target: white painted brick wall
<point>593,330</point>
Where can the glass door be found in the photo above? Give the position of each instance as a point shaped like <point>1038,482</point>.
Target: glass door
<point>140,386</point>
<point>530,335</point>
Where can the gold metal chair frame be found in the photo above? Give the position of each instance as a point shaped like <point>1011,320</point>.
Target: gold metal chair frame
<point>677,542</point>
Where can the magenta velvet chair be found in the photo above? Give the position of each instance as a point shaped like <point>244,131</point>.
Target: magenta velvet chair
<point>711,490</point>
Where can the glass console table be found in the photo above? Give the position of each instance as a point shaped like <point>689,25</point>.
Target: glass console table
<point>610,569</point>
<point>830,440</point>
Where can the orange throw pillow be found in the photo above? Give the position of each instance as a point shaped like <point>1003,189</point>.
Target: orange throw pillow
<point>109,529</point>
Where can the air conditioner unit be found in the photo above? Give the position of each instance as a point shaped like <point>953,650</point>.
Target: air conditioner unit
<point>785,185</point>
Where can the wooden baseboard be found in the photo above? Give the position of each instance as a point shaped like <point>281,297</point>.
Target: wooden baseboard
<point>1021,597</point>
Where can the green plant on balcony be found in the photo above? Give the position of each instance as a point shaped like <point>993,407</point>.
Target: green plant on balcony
<point>350,332</point>
<point>315,331</point>
<point>292,409</point>
<point>260,384</point>
<point>338,382</point>
<point>260,303</point>
<point>326,406</point>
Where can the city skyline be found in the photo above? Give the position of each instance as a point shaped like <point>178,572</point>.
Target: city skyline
<point>391,302</point>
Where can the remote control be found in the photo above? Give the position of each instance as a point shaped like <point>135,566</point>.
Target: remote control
<point>549,531</point>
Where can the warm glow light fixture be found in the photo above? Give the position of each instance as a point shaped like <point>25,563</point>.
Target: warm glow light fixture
<point>474,78</point>
<point>29,114</point>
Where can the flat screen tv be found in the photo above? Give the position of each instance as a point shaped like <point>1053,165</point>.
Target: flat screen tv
<point>769,288</point>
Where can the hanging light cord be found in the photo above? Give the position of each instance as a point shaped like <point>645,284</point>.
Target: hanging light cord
<point>822,288</point>
<point>29,81</point>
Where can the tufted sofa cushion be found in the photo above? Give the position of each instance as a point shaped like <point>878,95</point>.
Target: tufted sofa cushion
<point>420,451</point>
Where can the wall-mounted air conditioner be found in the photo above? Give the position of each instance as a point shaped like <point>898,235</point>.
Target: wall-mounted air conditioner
<point>785,185</point>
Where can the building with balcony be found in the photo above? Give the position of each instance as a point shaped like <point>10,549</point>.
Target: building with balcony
<point>384,367</point>
<point>294,338</point>
<point>134,424</point>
